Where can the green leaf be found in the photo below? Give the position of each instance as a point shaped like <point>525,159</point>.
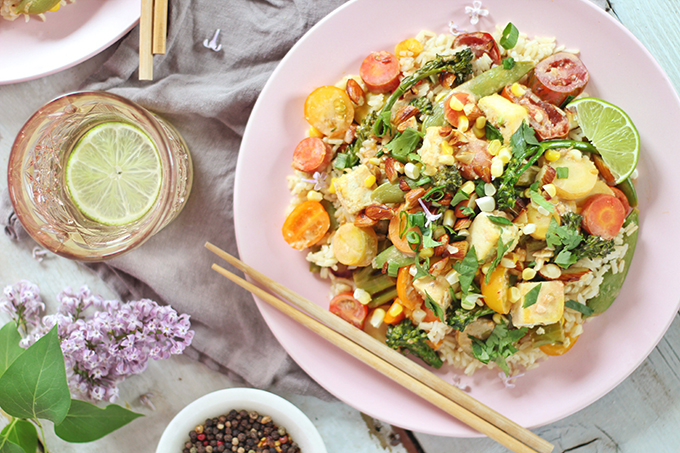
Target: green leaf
<point>459,196</point>
<point>428,241</point>
<point>532,296</point>
<point>434,306</point>
<point>509,37</point>
<point>34,385</point>
<point>404,143</point>
<point>500,251</point>
<point>508,63</point>
<point>562,172</point>
<point>539,200</point>
<point>86,422</point>
<point>467,268</point>
<point>492,132</point>
<point>21,434</point>
<point>422,269</point>
<point>499,220</point>
<point>9,345</point>
<point>581,308</point>
<point>498,346</point>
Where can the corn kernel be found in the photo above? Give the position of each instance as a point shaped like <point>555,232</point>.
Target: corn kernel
<point>497,318</point>
<point>363,296</point>
<point>517,90</point>
<point>331,186</point>
<point>494,147</point>
<point>504,154</point>
<point>431,171</point>
<point>550,189</point>
<point>528,273</point>
<point>507,263</point>
<point>374,161</point>
<point>480,122</point>
<point>55,7</point>
<point>411,171</point>
<point>426,252</point>
<point>575,154</point>
<point>449,218</point>
<point>463,123</point>
<point>497,168</point>
<point>447,148</point>
<point>479,133</point>
<point>399,167</point>
<point>514,294</point>
<point>552,155</point>
<point>485,268</point>
<point>468,187</point>
<point>455,104</point>
<point>313,195</point>
<point>377,317</point>
<point>395,310</point>
<point>369,181</point>
<point>447,160</point>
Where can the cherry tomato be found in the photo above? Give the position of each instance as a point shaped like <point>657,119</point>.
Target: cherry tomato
<point>349,309</point>
<point>496,291</point>
<point>329,109</point>
<point>547,120</point>
<point>406,292</point>
<point>453,116</point>
<point>312,154</point>
<point>558,349</point>
<point>557,77</point>
<point>306,225</point>
<point>603,215</point>
<point>380,72</point>
<point>480,43</point>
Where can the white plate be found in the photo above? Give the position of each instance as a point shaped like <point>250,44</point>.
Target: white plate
<point>76,32</point>
<point>613,344</point>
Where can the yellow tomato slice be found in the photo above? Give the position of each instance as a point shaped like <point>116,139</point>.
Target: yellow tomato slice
<point>496,291</point>
<point>329,110</point>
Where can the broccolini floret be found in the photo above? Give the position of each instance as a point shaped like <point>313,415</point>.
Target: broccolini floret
<point>423,104</point>
<point>405,337</point>
<point>593,247</point>
<point>459,318</point>
<point>448,178</point>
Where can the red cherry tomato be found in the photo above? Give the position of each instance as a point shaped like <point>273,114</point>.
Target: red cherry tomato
<point>603,215</point>
<point>452,116</point>
<point>349,309</point>
<point>557,77</point>
<point>549,121</point>
<point>312,154</point>
<point>480,43</point>
<point>380,72</point>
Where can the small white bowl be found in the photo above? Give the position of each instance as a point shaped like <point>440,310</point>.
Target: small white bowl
<point>283,413</point>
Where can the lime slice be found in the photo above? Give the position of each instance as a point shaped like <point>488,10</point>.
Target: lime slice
<point>611,131</point>
<point>114,173</point>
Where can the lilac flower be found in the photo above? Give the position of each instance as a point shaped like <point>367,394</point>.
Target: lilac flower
<point>475,11</point>
<point>103,341</point>
<point>318,179</point>
<point>429,217</point>
<point>22,301</point>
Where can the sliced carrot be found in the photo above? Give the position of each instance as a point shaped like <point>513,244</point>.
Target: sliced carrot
<point>395,313</point>
<point>407,294</point>
<point>603,215</point>
<point>380,72</point>
<point>312,154</point>
<point>396,232</point>
<point>622,198</point>
<point>306,225</point>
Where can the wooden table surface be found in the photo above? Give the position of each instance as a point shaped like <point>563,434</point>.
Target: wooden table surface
<point>642,414</point>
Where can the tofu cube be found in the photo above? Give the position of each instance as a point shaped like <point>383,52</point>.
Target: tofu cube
<point>432,147</point>
<point>548,308</point>
<point>352,191</point>
<point>503,114</point>
<point>484,236</point>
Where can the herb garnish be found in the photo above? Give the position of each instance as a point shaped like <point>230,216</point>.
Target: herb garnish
<point>404,143</point>
<point>537,198</point>
<point>508,63</point>
<point>499,220</point>
<point>500,251</point>
<point>562,172</point>
<point>581,308</point>
<point>498,346</point>
<point>510,36</point>
<point>532,296</point>
<point>434,306</point>
<point>467,268</point>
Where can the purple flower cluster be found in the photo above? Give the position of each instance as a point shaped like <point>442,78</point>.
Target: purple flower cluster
<point>22,301</point>
<point>104,341</point>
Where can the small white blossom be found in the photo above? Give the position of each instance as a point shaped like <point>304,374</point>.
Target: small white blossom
<point>475,11</point>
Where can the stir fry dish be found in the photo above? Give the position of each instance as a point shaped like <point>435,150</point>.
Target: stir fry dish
<point>468,202</point>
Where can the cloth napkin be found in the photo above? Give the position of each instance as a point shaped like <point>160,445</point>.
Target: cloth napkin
<point>207,95</point>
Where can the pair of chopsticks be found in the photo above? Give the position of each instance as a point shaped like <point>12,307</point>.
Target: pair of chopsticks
<point>386,360</point>
<point>153,28</point>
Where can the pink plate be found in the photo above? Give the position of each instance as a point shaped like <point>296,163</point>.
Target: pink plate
<point>613,344</point>
<point>76,32</point>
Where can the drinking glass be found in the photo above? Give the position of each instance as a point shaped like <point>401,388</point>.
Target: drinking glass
<point>37,185</point>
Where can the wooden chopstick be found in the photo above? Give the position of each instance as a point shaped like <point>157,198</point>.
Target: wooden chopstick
<point>493,422</point>
<point>145,39</point>
<point>160,25</point>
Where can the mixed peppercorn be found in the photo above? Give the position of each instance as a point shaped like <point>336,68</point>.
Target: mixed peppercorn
<point>240,432</point>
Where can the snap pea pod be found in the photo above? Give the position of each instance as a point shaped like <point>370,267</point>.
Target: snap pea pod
<point>388,193</point>
<point>629,191</point>
<point>493,80</point>
<point>612,283</point>
<point>436,118</point>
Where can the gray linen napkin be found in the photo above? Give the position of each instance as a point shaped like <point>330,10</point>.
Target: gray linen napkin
<point>208,97</point>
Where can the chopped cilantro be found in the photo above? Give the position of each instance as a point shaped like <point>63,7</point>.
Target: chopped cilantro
<point>467,268</point>
<point>500,251</point>
<point>508,63</point>
<point>499,220</point>
<point>458,197</point>
<point>492,132</point>
<point>537,198</point>
<point>532,296</point>
<point>562,172</point>
<point>498,346</point>
<point>581,308</point>
<point>434,306</point>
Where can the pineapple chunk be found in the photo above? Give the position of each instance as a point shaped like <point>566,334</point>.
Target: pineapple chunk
<point>484,236</point>
<point>432,147</point>
<point>437,288</point>
<point>548,308</point>
<point>352,191</point>
<point>503,114</point>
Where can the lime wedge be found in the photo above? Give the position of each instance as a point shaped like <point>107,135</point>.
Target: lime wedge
<point>611,131</point>
<point>114,173</point>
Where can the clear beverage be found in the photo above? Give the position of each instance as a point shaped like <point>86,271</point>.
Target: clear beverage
<point>39,193</point>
